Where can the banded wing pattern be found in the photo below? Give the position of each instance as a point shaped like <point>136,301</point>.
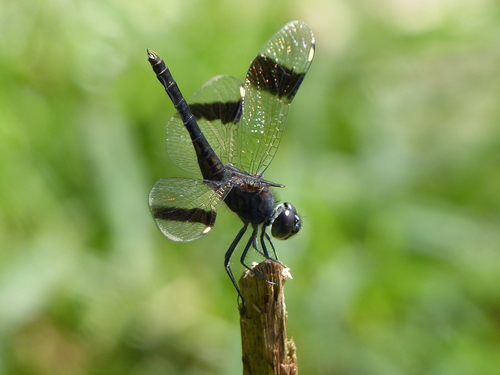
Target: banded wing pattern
<point>271,83</point>
<point>185,208</point>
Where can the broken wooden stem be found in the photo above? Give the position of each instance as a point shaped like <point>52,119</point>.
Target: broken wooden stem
<point>266,350</point>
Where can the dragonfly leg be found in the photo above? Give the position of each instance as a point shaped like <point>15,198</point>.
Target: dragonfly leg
<point>252,241</point>
<point>227,258</point>
<point>263,237</point>
<point>255,245</point>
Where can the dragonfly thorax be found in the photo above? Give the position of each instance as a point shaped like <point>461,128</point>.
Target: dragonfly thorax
<point>251,199</point>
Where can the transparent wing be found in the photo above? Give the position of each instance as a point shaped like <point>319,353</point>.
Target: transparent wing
<point>184,208</point>
<point>271,83</point>
<point>217,107</point>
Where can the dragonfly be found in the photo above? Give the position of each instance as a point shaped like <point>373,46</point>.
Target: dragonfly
<point>230,132</point>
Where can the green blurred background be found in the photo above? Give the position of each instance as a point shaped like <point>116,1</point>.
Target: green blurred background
<point>391,154</point>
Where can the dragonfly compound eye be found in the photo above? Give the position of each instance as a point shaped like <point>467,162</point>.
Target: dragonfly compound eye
<point>287,223</point>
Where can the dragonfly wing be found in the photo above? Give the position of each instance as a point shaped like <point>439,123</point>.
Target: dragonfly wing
<point>184,208</point>
<point>271,83</point>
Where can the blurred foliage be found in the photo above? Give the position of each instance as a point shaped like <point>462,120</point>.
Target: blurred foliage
<point>392,155</point>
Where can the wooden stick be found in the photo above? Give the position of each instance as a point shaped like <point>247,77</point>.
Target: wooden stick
<point>266,350</point>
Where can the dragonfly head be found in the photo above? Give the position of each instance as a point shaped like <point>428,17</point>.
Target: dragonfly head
<point>286,222</point>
